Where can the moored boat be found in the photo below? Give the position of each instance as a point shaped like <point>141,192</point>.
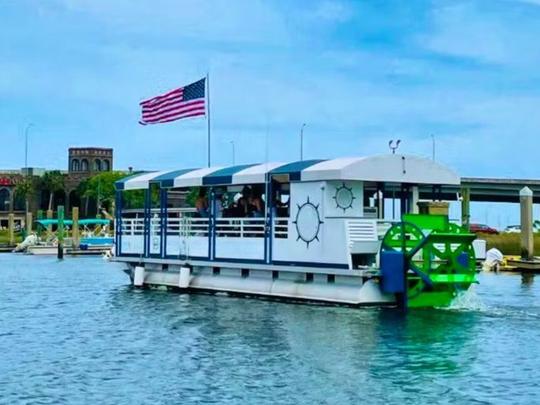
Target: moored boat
<point>94,237</point>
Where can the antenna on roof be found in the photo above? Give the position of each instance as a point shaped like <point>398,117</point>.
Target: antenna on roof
<point>393,146</point>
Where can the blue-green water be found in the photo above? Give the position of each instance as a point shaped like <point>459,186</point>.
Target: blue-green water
<point>75,332</point>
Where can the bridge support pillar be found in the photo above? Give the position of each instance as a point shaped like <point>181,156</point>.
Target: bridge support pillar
<point>466,207</point>
<point>527,237</point>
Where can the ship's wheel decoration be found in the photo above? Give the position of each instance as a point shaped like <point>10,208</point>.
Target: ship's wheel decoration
<point>308,222</point>
<point>344,197</point>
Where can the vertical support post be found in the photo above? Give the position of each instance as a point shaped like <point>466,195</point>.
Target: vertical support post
<point>146,221</point>
<point>11,228</point>
<point>28,224</point>
<point>49,216</point>
<point>212,225</point>
<point>380,200</point>
<point>415,197</point>
<point>466,207</point>
<point>208,117</point>
<point>404,202</point>
<point>163,221</point>
<point>75,228</point>
<point>527,238</point>
<point>118,222</point>
<point>60,232</point>
<point>11,193</point>
<point>269,219</point>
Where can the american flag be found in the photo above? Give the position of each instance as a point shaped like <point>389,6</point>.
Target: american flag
<point>184,102</point>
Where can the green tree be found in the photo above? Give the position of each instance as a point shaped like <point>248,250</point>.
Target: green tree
<point>26,189</point>
<point>101,188</point>
<point>52,182</point>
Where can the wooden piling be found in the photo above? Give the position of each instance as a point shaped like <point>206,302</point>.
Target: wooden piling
<point>49,216</point>
<point>28,224</point>
<point>75,227</point>
<point>11,228</point>
<point>60,232</point>
<point>527,237</point>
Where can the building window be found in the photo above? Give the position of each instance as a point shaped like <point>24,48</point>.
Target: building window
<point>75,165</point>
<point>97,165</point>
<point>84,165</point>
<point>106,165</point>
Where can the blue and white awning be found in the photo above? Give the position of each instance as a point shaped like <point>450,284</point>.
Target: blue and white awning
<point>380,168</point>
<point>137,181</point>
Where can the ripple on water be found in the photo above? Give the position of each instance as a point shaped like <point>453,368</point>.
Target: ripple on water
<point>74,331</point>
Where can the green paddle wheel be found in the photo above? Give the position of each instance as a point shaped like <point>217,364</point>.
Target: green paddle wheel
<point>436,260</point>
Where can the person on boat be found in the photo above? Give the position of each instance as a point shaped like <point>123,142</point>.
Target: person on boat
<point>219,208</point>
<point>201,204</point>
<point>255,205</point>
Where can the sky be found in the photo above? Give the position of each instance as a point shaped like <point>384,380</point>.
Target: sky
<point>463,74</point>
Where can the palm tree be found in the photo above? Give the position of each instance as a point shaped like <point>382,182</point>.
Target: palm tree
<point>52,182</point>
<point>25,189</point>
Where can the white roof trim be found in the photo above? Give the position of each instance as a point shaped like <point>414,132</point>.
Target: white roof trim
<point>383,168</point>
<point>194,178</point>
<point>254,174</point>
<point>142,181</point>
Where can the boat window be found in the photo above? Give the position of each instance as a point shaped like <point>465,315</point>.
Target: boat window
<point>281,200</point>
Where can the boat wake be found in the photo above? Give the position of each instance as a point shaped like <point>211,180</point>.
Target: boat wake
<point>468,301</point>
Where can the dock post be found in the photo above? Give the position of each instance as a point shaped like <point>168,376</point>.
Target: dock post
<point>466,207</point>
<point>527,237</point>
<point>49,215</point>
<point>75,227</point>
<point>60,232</point>
<point>11,228</point>
<point>28,220</point>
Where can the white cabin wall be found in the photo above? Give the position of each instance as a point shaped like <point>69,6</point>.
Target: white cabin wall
<point>330,245</point>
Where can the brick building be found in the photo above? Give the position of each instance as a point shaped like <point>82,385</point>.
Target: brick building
<point>83,163</point>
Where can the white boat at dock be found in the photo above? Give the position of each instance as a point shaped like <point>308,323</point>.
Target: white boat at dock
<point>95,238</point>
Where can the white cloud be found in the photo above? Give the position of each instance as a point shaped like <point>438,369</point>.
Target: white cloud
<point>471,30</point>
<point>332,11</point>
<point>216,20</point>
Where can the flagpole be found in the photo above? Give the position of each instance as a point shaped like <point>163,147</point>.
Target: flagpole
<point>208,114</point>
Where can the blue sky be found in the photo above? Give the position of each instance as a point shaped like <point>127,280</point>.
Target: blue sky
<point>357,72</point>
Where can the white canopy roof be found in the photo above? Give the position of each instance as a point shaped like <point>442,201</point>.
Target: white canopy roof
<point>379,168</point>
<point>141,181</point>
<point>383,168</point>
<point>254,174</point>
<point>194,178</point>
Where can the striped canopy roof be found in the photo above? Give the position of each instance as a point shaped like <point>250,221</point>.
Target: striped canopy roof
<point>379,168</point>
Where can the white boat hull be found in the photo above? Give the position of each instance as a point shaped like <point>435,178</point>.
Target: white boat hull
<point>278,282</point>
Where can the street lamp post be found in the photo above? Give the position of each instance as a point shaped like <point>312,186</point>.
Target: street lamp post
<point>233,153</point>
<point>26,166</point>
<point>302,141</point>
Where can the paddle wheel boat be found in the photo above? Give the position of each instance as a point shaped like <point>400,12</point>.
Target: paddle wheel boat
<point>315,230</point>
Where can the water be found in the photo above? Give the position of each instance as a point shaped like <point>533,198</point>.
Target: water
<point>75,332</point>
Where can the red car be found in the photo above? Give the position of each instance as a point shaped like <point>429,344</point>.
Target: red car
<point>479,228</point>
